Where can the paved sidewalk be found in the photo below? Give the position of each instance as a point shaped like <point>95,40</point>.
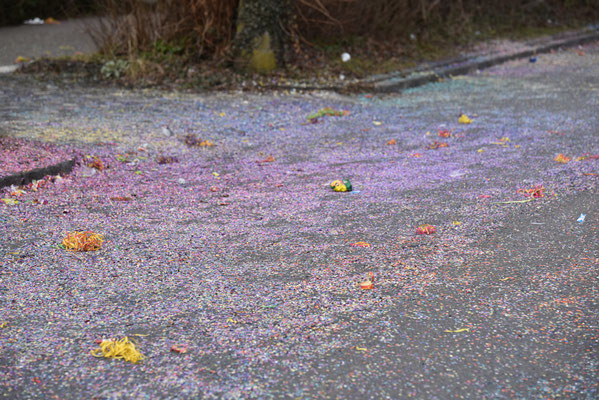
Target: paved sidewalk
<point>33,41</point>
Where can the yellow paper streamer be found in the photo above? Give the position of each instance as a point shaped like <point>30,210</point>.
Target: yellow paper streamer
<point>123,348</point>
<point>515,201</point>
<point>458,330</point>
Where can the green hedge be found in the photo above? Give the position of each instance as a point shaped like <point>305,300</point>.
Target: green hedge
<point>14,12</point>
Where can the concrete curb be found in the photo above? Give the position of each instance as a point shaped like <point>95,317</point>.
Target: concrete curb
<point>25,177</point>
<point>393,84</point>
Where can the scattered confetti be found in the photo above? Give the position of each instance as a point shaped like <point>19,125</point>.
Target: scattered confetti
<point>178,265</point>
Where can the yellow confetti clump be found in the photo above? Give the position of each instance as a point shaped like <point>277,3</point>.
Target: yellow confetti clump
<point>338,186</point>
<point>464,119</point>
<point>561,159</point>
<point>21,59</point>
<point>123,348</point>
<point>83,241</point>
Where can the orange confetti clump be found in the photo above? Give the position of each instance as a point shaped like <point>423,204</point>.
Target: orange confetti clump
<point>369,283</point>
<point>444,133</point>
<point>193,141</point>
<point>21,59</point>
<point>436,145</point>
<point>426,229</point>
<point>561,158</point>
<point>360,244</point>
<point>97,164</point>
<point>83,241</point>
<point>267,159</point>
<point>179,348</point>
<point>535,191</point>
<point>391,142</point>
<point>121,198</point>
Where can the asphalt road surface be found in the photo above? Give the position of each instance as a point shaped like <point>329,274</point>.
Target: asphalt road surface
<point>243,254</point>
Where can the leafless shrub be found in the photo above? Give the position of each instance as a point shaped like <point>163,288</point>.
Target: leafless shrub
<point>204,29</point>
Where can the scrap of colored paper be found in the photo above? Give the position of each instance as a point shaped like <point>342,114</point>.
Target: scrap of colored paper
<point>457,330</point>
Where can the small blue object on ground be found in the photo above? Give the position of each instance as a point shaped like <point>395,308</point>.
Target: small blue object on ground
<point>581,218</point>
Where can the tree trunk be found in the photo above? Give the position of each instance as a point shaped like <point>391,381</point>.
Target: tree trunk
<point>261,41</point>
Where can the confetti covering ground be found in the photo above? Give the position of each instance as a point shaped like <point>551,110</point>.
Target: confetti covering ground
<point>17,155</point>
<point>235,268</point>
